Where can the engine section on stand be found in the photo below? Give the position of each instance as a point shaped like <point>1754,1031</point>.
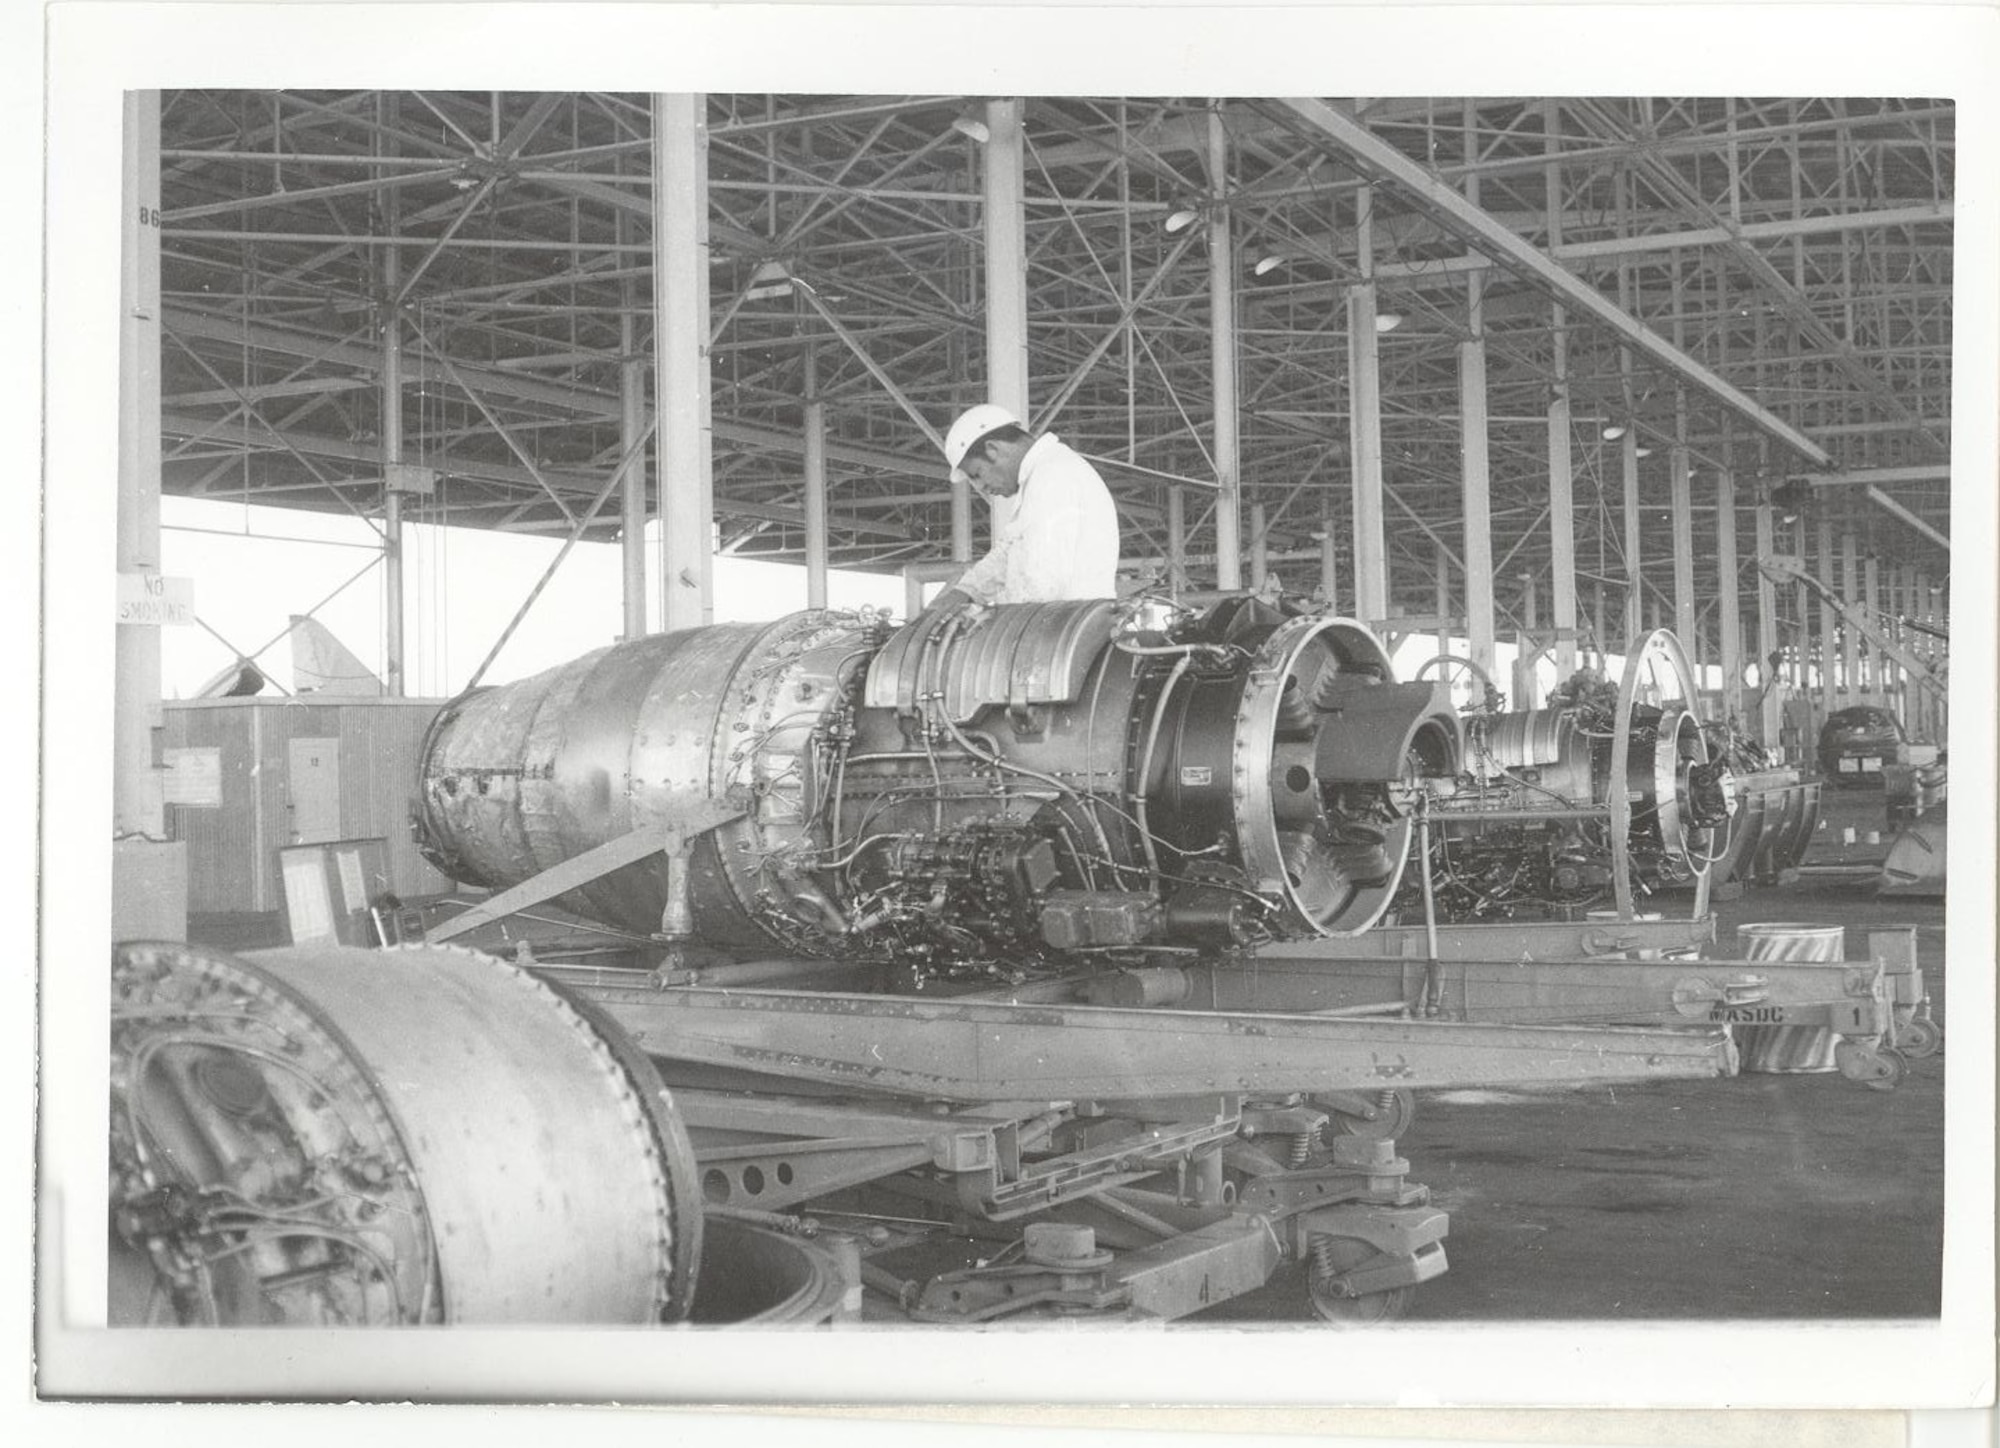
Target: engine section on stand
<point>989,794</point>
<point>1608,794</point>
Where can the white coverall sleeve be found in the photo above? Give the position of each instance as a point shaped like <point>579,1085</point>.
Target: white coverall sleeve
<point>1042,562</point>
<point>985,578</point>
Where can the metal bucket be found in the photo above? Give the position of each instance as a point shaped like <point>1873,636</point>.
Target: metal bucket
<point>1915,864</point>
<point>1788,1050</point>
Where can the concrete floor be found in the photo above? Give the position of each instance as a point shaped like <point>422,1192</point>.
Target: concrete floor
<point>1756,1197</point>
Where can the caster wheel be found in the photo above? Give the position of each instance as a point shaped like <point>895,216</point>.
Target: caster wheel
<point>1898,1066</point>
<point>1332,1256</point>
<point>1918,1038</point>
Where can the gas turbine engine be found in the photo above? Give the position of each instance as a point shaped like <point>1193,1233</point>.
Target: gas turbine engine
<point>1000,792</point>
<point>1607,792</point>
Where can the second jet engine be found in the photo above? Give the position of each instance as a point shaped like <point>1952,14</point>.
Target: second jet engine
<point>996,792</point>
<point>1606,794</point>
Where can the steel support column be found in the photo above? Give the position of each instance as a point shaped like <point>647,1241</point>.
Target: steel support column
<point>1850,594</point>
<point>681,360</point>
<point>1475,492</point>
<point>631,425</point>
<point>1681,505</point>
<point>1006,259</point>
<point>1728,605</point>
<point>1177,569</point>
<point>393,671</point>
<point>1770,708</point>
<point>1562,511</point>
<point>1259,547</point>
<point>1475,456</point>
<point>1006,235</point>
<point>1795,538</point>
<point>136,782</point>
<point>1908,608</point>
<point>1829,623</point>
<point>815,502</point>
<point>1628,454</point>
<point>1874,663</point>
<point>1634,576</point>
<point>1441,561</point>
<point>1222,350</point>
<point>1937,613</point>
<point>1562,481</point>
<point>1364,394</point>
<point>1329,556</point>
<point>1921,610</point>
<point>395,674</point>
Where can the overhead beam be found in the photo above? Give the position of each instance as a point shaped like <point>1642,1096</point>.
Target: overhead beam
<point>586,402</point>
<point>298,387</point>
<point>1896,510</point>
<point>1384,162</point>
<point>1778,229</point>
<point>242,435</point>
<point>1917,473</point>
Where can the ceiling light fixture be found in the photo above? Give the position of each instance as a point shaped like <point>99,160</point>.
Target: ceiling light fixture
<point>1642,451</point>
<point>1615,431</point>
<point>1388,321</point>
<point>973,127</point>
<point>1181,220</point>
<point>1267,264</point>
<point>771,279</point>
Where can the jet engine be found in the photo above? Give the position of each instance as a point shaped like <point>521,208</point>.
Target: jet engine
<point>996,792</point>
<point>1608,792</point>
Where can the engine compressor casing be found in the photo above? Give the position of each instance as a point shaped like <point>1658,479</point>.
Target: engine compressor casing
<point>1018,783</point>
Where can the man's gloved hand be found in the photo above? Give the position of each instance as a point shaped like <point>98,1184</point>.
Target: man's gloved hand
<point>951,601</point>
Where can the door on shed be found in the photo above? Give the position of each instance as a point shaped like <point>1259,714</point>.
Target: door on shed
<point>312,788</point>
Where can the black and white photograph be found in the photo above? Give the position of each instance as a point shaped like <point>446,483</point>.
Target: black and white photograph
<point>947,704</point>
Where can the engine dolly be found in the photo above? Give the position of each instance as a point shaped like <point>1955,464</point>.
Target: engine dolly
<point>1133,1163</point>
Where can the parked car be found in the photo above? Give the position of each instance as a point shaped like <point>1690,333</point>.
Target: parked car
<point>1856,742</point>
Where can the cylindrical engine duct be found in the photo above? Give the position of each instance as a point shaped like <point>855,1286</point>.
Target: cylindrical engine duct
<point>520,778</point>
<point>324,1135</point>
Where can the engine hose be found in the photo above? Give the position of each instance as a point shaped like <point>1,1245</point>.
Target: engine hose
<point>1433,970</point>
<point>1146,762</point>
<point>1221,653</point>
<point>932,653</point>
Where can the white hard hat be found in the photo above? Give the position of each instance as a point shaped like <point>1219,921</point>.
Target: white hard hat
<point>973,424</point>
